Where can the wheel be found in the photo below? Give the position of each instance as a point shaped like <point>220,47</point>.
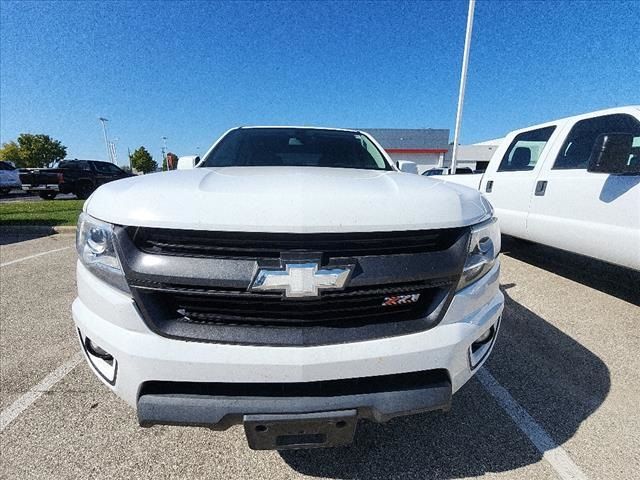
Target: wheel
<point>84,190</point>
<point>4,191</point>
<point>47,195</point>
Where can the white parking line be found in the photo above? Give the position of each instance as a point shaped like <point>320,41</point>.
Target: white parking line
<point>33,256</point>
<point>555,455</point>
<point>12,412</point>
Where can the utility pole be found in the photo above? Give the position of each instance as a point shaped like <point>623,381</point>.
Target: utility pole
<point>463,82</point>
<point>114,151</point>
<point>106,141</point>
<point>164,152</point>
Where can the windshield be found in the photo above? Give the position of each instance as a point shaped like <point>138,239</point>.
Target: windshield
<point>271,147</point>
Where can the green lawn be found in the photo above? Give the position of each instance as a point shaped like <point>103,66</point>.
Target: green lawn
<point>46,212</point>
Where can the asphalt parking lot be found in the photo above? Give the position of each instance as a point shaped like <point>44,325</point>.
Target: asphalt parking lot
<point>557,399</point>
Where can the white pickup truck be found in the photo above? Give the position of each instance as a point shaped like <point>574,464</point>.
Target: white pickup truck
<point>572,184</point>
<point>294,281</point>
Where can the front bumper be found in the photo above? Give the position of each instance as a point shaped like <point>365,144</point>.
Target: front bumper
<point>175,403</point>
<point>111,320</point>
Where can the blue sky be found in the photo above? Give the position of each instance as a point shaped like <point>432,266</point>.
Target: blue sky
<point>191,70</point>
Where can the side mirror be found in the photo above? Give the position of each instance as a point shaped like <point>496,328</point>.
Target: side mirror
<point>612,153</point>
<point>187,163</point>
<point>407,167</point>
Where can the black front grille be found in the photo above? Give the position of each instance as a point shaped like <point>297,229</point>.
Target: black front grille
<point>344,309</point>
<point>270,245</point>
<point>194,285</point>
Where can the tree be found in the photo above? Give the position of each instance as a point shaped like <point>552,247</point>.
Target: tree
<point>10,152</point>
<point>33,150</point>
<point>142,161</point>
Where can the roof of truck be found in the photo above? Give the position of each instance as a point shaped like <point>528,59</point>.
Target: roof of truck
<point>629,109</point>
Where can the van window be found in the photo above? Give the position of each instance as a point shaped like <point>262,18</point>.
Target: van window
<point>525,150</point>
<point>579,144</point>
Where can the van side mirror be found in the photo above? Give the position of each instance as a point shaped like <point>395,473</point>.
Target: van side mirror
<point>407,167</point>
<point>188,162</point>
<point>612,153</point>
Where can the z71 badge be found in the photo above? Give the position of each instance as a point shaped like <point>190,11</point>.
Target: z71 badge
<point>401,299</point>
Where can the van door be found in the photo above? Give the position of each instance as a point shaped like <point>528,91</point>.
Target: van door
<point>594,214</point>
<point>508,184</point>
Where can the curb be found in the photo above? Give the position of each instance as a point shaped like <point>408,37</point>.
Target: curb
<point>36,229</point>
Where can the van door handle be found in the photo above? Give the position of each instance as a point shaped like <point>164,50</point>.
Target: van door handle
<point>489,186</point>
<point>541,188</point>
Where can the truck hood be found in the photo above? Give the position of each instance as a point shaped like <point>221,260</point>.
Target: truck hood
<point>287,199</point>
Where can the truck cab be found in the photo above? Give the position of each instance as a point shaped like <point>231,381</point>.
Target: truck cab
<point>546,186</point>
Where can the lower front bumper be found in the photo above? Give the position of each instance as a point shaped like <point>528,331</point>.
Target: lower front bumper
<point>287,416</point>
<point>379,398</point>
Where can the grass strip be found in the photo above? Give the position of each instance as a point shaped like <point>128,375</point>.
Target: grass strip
<point>46,212</point>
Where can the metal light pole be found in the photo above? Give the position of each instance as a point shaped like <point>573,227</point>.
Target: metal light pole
<point>164,152</point>
<point>106,141</point>
<point>463,83</point>
<point>114,151</point>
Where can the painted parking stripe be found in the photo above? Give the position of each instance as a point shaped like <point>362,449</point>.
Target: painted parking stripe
<point>33,256</point>
<point>554,454</point>
<point>12,412</point>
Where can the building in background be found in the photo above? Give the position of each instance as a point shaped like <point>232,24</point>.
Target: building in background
<point>475,156</point>
<point>425,146</point>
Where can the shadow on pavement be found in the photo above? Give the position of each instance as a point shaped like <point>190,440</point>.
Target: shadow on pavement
<point>618,282</point>
<point>558,381</point>
<point>8,237</point>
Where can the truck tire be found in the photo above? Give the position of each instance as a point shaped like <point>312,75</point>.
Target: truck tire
<point>47,195</point>
<point>83,190</point>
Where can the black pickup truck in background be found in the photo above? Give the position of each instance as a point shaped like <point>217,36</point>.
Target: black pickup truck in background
<point>80,177</point>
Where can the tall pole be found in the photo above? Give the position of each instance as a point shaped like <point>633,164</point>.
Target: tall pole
<point>463,83</point>
<point>106,141</point>
<point>164,152</point>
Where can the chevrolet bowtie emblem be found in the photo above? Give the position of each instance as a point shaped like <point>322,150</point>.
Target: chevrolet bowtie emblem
<point>301,279</point>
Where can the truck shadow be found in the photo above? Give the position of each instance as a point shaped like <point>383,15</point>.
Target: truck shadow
<point>616,281</point>
<point>558,381</point>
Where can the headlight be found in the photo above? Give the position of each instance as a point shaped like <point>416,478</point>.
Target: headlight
<point>484,247</point>
<point>94,243</point>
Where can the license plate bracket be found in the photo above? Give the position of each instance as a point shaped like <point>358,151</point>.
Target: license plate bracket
<point>300,430</point>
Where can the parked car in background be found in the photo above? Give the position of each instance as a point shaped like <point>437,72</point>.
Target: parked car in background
<point>445,171</point>
<point>80,177</point>
<point>9,178</point>
<point>572,184</point>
